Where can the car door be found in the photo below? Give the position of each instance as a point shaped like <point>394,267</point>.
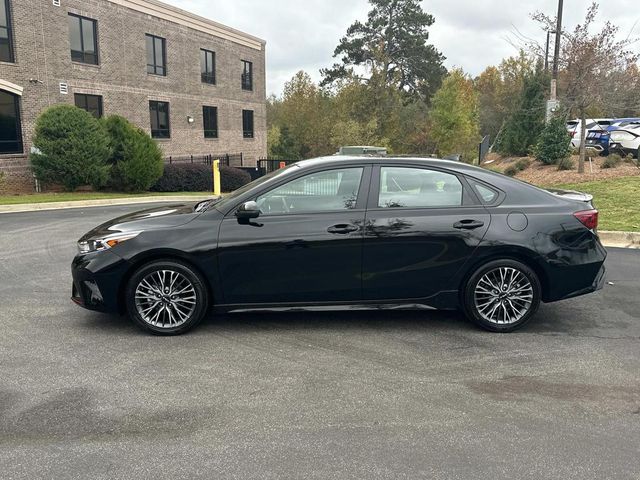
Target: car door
<point>306,245</point>
<point>421,226</point>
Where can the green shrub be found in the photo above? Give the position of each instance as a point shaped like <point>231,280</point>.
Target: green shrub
<point>511,171</point>
<point>522,164</point>
<point>612,161</point>
<point>137,160</point>
<point>72,148</point>
<point>565,164</point>
<point>553,143</point>
<point>629,159</point>
<point>233,178</point>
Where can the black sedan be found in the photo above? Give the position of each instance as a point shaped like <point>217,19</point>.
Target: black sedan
<point>348,232</point>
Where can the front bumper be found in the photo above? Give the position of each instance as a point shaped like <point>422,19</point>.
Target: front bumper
<point>96,281</point>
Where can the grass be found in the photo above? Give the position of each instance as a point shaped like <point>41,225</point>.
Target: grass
<point>72,196</point>
<point>617,199</point>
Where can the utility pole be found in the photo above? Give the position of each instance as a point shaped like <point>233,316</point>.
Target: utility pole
<point>556,53</point>
<point>552,104</point>
<point>546,53</point>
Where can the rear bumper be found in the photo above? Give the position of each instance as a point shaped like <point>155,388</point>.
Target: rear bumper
<point>578,274</point>
<point>598,284</point>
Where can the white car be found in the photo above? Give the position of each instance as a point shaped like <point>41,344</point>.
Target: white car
<point>626,141</point>
<point>574,127</point>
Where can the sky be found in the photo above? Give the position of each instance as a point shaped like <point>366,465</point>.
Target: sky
<point>472,34</point>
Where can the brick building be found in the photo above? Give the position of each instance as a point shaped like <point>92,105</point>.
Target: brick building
<point>195,85</point>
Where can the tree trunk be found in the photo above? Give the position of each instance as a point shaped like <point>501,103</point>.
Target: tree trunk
<point>583,141</point>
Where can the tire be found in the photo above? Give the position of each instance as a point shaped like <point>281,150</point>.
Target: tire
<point>499,310</point>
<point>167,297</point>
<point>638,154</point>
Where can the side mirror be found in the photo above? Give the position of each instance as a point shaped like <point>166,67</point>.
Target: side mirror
<point>248,210</point>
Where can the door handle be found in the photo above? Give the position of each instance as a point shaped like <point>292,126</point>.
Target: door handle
<point>468,224</point>
<point>343,228</point>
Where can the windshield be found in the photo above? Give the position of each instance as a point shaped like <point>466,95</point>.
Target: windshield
<point>230,197</point>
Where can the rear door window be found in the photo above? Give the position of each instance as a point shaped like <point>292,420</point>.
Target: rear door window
<point>406,187</point>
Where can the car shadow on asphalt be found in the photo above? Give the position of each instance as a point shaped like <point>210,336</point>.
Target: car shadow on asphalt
<point>554,319</point>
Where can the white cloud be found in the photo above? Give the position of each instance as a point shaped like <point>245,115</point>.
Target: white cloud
<point>472,34</point>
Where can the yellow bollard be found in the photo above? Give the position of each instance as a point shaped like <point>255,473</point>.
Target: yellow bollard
<point>216,177</point>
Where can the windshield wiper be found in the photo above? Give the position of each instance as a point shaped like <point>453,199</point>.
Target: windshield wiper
<point>205,204</point>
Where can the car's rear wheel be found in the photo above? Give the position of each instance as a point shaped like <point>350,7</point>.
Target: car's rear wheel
<point>502,295</point>
<point>167,297</point>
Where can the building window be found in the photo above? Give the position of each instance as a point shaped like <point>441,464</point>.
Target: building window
<point>10,128</point>
<point>83,39</point>
<point>6,43</point>
<point>90,103</point>
<point>210,117</point>
<point>247,123</point>
<point>208,67</point>
<point>247,75</point>
<point>159,112</point>
<point>156,55</point>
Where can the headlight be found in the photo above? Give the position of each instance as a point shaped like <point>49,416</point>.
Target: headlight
<point>104,243</point>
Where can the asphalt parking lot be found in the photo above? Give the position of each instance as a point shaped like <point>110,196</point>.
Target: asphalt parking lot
<point>308,395</point>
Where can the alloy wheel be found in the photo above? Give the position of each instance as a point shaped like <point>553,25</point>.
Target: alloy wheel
<point>165,299</point>
<point>503,296</point>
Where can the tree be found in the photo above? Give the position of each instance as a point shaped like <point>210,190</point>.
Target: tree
<point>590,62</point>
<point>499,92</point>
<point>553,143</point>
<point>72,148</point>
<point>623,94</point>
<point>304,111</point>
<point>527,121</point>
<point>454,117</point>
<point>393,43</point>
<point>281,144</point>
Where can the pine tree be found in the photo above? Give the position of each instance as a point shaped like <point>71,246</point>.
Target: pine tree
<point>525,124</point>
<point>393,43</point>
<point>553,143</point>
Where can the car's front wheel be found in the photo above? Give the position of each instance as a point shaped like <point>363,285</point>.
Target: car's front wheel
<point>167,297</point>
<point>502,295</point>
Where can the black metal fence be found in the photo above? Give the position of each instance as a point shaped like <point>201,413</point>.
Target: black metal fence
<point>268,165</point>
<point>228,159</point>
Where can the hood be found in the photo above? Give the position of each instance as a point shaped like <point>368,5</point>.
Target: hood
<point>167,216</point>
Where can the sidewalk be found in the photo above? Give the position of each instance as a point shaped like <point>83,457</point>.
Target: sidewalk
<point>33,207</point>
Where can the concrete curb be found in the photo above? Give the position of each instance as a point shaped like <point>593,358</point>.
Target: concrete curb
<point>620,239</point>
<point>35,207</point>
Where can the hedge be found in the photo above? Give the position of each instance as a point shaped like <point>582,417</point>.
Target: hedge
<point>197,177</point>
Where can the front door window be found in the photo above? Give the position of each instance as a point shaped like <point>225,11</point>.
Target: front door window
<point>328,191</point>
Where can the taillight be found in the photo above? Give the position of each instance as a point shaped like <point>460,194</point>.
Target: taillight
<point>589,218</point>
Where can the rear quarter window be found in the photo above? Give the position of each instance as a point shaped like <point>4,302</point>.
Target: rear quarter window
<point>487,194</point>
